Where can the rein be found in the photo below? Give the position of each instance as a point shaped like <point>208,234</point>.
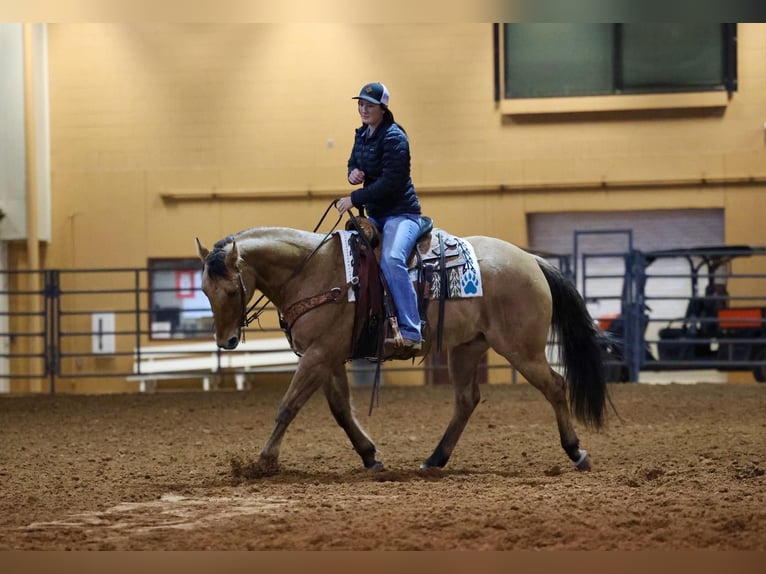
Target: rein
<point>251,314</point>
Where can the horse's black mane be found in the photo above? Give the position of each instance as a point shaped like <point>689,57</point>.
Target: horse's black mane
<point>215,262</point>
<point>221,243</point>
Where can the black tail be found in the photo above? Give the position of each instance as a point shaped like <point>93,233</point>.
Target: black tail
<point>581,352</point>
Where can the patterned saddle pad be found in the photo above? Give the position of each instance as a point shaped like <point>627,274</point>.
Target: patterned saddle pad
<point>463,277</point>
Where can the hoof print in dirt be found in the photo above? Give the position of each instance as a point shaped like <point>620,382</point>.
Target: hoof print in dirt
<point>555,470</point>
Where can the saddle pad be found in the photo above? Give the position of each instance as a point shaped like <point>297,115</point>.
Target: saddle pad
<point>463,273</point>
<point>348,258</point>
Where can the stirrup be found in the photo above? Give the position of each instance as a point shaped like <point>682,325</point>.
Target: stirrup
<point>402,344</point>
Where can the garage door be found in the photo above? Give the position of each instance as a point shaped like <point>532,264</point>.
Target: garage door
<point>650,230</point>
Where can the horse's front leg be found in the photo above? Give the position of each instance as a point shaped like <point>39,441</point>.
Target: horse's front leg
<point>339,399</point>
<point>312,372</point>
<point>463,365</point>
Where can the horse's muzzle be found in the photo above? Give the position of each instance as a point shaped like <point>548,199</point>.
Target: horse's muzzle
<point>231,343</point>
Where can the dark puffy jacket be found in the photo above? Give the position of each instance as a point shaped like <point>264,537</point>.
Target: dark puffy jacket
<point>385,160</point>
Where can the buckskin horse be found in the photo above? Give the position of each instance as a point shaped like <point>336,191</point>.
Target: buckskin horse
<point>524,297</point>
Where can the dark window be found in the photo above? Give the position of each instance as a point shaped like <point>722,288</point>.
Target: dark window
<point>178,309</point>
<point>555,60</point>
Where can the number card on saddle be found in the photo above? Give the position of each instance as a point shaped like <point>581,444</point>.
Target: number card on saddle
<point>441,266</point>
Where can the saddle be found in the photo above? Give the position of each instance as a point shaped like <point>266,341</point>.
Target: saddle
<point>435,254</point>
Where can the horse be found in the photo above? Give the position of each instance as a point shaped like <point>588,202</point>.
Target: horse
<point>524,298</point>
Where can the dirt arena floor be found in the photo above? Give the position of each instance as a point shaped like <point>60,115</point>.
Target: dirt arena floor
<point>684,471</point>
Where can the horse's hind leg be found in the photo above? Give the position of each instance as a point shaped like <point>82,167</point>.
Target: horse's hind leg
<point>540,375</point>
<point>339,399</point>
<point>463,363</point>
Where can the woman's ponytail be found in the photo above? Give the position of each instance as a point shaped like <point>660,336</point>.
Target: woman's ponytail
<point>388,117</point>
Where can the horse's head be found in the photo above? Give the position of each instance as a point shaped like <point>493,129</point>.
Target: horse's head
<point>224,287</point>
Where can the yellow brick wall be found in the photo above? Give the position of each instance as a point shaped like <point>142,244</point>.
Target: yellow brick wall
<point>142,110</point>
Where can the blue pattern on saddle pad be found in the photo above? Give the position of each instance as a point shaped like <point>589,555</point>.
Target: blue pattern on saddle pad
<point>463,273</point>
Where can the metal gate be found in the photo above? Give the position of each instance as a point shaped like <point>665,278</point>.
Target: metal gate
<point>82,323</point>
<point>72,325</point>
<point>61,325</point>
<point>708,313</point>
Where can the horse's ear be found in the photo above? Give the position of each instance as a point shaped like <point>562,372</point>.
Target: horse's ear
<point>202,251</point>
<point>232,257</point>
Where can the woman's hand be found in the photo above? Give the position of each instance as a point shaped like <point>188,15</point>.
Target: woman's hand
<point>344,204</point>
<point>356,176</point>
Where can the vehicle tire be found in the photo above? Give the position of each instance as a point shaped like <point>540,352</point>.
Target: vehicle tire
<point>616,373</point>
<point>759,372</point>
<point>615,370</point>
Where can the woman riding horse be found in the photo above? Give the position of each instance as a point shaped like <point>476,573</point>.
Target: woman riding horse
<point>523,298</point>
<point>380,162</point>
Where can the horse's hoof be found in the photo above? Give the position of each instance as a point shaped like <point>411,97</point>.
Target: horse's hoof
<point>255,471</point>
<point>270,470</point>
<point>430,471</point>
<point>244,470</point>
<point>264,467</point>
<point>583,463</point>
<point>376,466</point>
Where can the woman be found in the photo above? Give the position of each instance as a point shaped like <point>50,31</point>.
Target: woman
<point>380,163</point>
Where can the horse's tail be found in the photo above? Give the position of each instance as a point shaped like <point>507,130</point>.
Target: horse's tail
<point>581,354</point>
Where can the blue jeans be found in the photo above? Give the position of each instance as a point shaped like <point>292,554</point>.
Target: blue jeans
<point>400,232</point>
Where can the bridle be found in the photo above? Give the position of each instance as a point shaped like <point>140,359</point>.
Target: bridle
<point>243,299</point>
<point>253,313</point>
